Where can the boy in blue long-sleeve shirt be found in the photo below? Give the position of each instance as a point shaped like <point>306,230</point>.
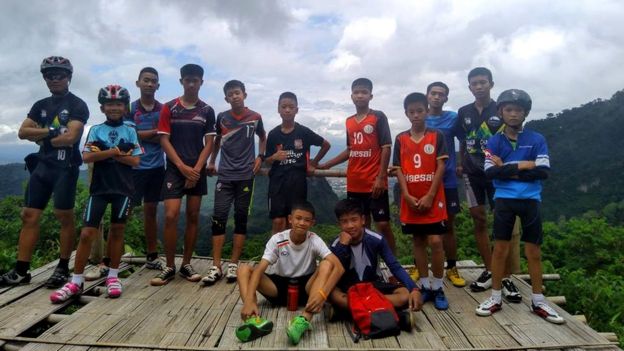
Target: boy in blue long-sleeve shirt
<point>359,250</point>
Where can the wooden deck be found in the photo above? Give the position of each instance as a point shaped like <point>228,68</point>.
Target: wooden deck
<point>186,316</point>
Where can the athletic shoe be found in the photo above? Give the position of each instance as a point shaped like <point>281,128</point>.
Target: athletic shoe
<point>296,328</point>
<point>405,320</point>
<point>167,274</point>
<point>426,295</point>
<point>453,275</point>
<point>96,272</point>
<point>214,274</point>
<point>439,300</point>
<point>157,264</point>
<point>413,273</point>
<point>482,283</point>
<point>59,277</point>
<point>11,278</point>
<point>65,293</point>
<point>510,292</point>
<point>489,306</point>
<point>113,287</point>
<point>548,313</point>
<point>253,328</point>
<point>230,274</point>
<point>188,273</point>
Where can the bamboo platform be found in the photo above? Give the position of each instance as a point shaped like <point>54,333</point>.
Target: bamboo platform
<point>187,316</point>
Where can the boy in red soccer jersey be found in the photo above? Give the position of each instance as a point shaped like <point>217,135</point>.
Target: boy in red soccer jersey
<point>368,152</point>
<point>419,159</point>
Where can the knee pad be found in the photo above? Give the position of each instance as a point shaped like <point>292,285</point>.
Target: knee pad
<point>218,226</point>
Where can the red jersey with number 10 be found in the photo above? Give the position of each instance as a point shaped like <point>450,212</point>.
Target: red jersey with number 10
<point>418,163</point>
<point>365,139</point>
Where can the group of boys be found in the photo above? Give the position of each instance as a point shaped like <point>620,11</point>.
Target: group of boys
<point>129,169</point>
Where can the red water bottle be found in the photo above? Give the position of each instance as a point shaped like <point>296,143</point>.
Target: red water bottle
<point>292,300</point>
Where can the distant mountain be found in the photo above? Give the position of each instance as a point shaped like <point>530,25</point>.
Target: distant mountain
<point>586,151</point>
<point>587,157</point>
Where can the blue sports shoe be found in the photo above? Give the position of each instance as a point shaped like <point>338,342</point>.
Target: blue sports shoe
<point>439,300</point>
<point>426,295</point>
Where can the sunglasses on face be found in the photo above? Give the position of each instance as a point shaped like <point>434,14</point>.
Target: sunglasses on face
<point>55,76</point>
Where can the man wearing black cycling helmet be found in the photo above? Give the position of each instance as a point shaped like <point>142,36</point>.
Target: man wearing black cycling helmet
<point>56,124</point>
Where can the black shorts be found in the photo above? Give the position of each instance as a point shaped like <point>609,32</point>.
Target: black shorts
<point>379,207</point>
<point>96,206</point>
<point>282,289</point>
<point>173,184</point>
<point>478,190</point>
<point>285,191</point>
<point>529,212</point>
<point>437,228</point>
<point>46,180</point>
<point>147,185</point>
<point>228,192</point>
<point>452,201</point>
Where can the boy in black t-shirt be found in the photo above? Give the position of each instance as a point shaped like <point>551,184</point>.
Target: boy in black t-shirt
<point>186,128</point>
<point>288,153</point>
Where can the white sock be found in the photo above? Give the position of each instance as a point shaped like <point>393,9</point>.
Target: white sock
<point>537,298</point>
<point>497,296</point>
<point>113,272</point>
<point>424,283</point>
<point>436,284</point>
<point>77,279</point>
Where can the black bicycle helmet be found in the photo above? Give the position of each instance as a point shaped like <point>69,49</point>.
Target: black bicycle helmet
<point>515,96</point>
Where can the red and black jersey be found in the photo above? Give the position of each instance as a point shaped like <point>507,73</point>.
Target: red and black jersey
<point>418,161</point>
<point>187,128</point>
<point>365,139</point>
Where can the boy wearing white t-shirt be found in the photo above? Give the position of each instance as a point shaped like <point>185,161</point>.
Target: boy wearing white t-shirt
<point>288,255</point>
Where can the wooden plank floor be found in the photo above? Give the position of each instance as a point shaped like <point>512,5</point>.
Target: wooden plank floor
<point>187,316</point>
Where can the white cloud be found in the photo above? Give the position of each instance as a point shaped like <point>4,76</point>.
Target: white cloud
<point>564,54</point>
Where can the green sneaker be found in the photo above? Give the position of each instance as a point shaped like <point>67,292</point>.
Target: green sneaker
<point>253,328</point>
<point>296,327</point>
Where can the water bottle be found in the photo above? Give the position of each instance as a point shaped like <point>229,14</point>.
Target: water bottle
<point>292,300</point>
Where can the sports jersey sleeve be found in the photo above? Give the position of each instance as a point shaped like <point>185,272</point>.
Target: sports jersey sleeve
<point>90,139</point>
<point>260,132</point>
<point>383,129</point>
<point>396,156</point>
<point>441,146</point>
<point>343,252</point>
<point>164,122</point>
<point>80,112</point>
<point>271,146</point>
<point>395,267</point>
<point>218,129</point>
<point>313,138</point>
<point>34,113</point>
<point>458,127</point>
<point>320,248</point>
<point>134,138</point>
<point>209,128</point>
<point>270,250</point>
<point>542,159</point>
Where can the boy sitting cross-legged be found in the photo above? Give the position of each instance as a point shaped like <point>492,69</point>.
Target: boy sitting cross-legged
<point>288,255</point>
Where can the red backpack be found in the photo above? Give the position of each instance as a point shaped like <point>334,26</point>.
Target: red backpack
<point>373,314</point>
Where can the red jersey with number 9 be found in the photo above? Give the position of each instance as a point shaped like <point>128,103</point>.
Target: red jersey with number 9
<point>365,139</point>
<point>418,163</point>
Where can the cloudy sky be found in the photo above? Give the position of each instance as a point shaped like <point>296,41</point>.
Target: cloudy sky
<point>564,53</point>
